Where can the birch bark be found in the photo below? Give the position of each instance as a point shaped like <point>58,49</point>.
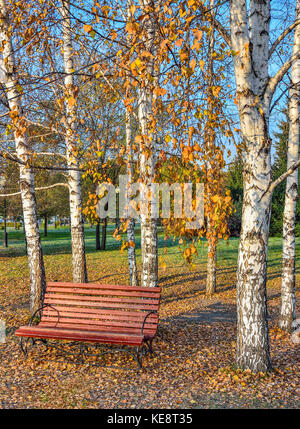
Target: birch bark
<point>254,92</point>
<point>149,275</point>
<point>251,74</point>
<point>288,298</point>
<point>27,185</point>
<point>211,249</point>
<point>211,283</point>
<point>74,179</point>
<point>133,273</point>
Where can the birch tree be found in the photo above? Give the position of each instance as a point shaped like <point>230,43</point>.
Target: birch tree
<point>218,204</point>
<point>149,275</point>
<point>74,180</point>
<point>288,299</point>
<point>27,183</point>
<point>211,249</point>
<point>133,273</point>
<point>254,92</point>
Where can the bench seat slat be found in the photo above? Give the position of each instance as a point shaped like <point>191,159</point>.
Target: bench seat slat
<point>102,299</point>
<point>54,319</point>
<point>82,302</point>
<point>135,316</point>
<point>105,292</point>
<point>105,287</point>
<point>102,328</point>
<point>79,335</point>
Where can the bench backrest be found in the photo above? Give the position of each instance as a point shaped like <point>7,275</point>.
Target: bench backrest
<point>108,307</point>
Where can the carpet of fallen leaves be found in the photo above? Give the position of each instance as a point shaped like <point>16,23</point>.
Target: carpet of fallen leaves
<point>193,365</point>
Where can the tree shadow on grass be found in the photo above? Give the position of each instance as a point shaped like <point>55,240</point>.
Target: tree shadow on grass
<point>99,279</point>
<point>212,313</point>
<point>180,278</point>
<point>56,244</point>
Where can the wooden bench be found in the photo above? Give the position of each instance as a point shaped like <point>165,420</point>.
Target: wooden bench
<point>94,313</point>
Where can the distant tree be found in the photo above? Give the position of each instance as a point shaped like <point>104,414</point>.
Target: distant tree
<point>14,203</point>
<point>52,201</point>
<point>234,182</point>
<point>278,168</point>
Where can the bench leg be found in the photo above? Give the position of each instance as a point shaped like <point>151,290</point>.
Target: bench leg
<point>149,346</point>
<point>139,356</point>
<point>24,345</point>
<point>41,340</point>
<point>82,352</point>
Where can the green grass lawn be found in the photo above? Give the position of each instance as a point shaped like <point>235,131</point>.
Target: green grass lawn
<point>58,242</point>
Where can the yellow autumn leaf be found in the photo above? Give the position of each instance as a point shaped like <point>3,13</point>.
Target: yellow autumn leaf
<point>87,28</point>
<point>193,64</point>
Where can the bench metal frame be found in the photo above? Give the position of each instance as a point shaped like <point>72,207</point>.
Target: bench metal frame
<point>83,352</point>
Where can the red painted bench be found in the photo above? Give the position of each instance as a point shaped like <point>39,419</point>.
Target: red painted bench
<point>94,313</point>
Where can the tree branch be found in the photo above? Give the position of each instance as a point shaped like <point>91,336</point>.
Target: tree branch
<point>37,124</point>
<point>45,154</point>
<point>219,27</point>
<point>40,167</point>
<point>280,96</point>
<point>273,81</point>
<point>283,176</point>
<point>37,189</point>
<point>282,36</point>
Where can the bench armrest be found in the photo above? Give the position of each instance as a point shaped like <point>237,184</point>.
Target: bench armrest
<point>39,309</point>
<point>146,317</point>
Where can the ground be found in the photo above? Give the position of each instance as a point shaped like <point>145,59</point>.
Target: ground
<point>193,366</point>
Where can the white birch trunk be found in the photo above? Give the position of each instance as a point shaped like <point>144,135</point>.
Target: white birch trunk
<point>149,275</point>
<point>288,298</point>
<point>251,73</point>
<point>74,179</point>
<point>211,248</point>
<point>211,283</point>
<point>133,273</point>
<point>27,187</point>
